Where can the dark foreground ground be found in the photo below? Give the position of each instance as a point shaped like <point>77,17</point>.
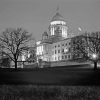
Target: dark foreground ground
<point>82,75</point>
<point>36,92</point>
<point>63,83</point>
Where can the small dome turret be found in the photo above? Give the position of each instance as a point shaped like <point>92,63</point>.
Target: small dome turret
<point>45,35</point>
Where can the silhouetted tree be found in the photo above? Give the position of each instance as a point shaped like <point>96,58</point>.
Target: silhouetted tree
<point>14,41</point>
<point>5,62</point>
<point>87,47</point>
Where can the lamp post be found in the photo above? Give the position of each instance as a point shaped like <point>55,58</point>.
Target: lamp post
<point>95,57</point>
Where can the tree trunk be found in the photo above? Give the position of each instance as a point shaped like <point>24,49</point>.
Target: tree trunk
<point>15,61</point>
<point>15,64</point>
<point>95,65</point>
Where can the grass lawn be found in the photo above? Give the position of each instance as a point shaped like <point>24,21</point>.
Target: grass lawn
<point>37,92</point>
<point>51,76</point>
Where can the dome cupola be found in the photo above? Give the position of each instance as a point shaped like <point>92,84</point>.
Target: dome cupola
<point>57,17</point>
<point>58,26</point>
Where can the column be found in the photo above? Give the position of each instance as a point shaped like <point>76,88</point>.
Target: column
<point>53,31</point>
<point>66,32</point>
<point>62,31</point>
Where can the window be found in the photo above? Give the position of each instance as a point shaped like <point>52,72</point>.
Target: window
<point>62,50</point>
<point>68,56</point>
<point>65,56</point>
<point>55,46</point>
<point>58,51</point>
<point>55,51</point>
<point>62,57</point>
<point>59,58</point>
<point>58,45</point>
<point>66,50</point>
<point>69,43</point>
<point>66,44</point>
<point>62,44</point>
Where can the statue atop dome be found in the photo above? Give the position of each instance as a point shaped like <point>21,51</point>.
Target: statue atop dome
<point>57,16</point>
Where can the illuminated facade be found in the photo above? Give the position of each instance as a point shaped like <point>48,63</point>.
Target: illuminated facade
<point>55,44</point>
<point>61,50</point>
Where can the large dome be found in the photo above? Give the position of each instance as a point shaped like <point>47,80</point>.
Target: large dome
<point>57,17</point>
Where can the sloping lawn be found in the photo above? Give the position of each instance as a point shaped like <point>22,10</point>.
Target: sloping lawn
<point>51,76</point>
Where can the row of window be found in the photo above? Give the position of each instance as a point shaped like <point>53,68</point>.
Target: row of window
<point>62,51</point>
<point>63,57</point>
<point>66,57</point>
<point>62,45</point>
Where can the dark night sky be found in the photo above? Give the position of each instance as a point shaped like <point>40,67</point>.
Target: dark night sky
<point>35,15</point>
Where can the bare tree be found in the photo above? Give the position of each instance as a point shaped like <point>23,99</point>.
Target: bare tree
<point>87,47</point>
<point>14,41</point>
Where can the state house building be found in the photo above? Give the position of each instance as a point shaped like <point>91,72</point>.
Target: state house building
<point>55,44</point>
